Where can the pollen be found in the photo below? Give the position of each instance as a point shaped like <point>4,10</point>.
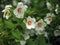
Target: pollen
<point>19,10</point>
<point>40,24</point>
<point>29,22</point>
<point>49,19</point>
<point>8,14</point>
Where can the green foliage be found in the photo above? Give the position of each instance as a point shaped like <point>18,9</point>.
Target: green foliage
<point>9,24</point>
<point>17,34</point>
<point>31,42</point>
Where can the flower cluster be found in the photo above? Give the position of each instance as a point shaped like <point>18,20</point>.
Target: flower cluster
<point>32,26</point>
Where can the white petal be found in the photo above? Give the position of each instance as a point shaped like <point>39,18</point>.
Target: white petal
<point>18,15</point>
<point>34,19</point>
<point>26,1</point>
<point>14,2</point>
<point>56,10</point>
<point>24,21</point>
<point>46,20</point>
<point>25,7</point>
<point>49,6</point>
<point>20,4</point>
<point>22,42</point>
<point>7,17</point>
<point>39,32</point>
<point>33,23</point>
<point>4,15</point>
<point>28,27</point>
<point>33,26</point>
<point>29,18</point>
<point>57,5</point>
<point>15,11</point>
<point>53,15</point>
<point>50,15</point>
<point>8,6</point>
<point>4,10</point>
<point>46,34</point>
<point>39,28</point>
<point>26,36</point>
<point>44,24</point>
<point>57,33</point>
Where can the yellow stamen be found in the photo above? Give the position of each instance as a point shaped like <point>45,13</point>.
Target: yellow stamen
<point>8,14</point>
<point>49,19</point>
<point>19,10</point>
<point>29,22</point>
<point>40,24</point>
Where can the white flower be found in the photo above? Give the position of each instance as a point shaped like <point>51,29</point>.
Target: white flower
<point>49,6</point>
<point>14,2</point>
<point>48,18</point>
<point>22,42</point>
<point>46,34</point>
<point>40,27</point>
<point>26,36</point>
<point>31,32</point>
<point>56,10</point>
<point>50,15</point>
<point>57,33</point>
<point>26,1</point>
<point>19,11</point>
<point>30,22</point>
<point>6,11</point>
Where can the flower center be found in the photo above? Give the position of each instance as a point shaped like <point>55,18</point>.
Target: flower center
<point>49,19</point>
<point>40,24</point>
<point>19,10</point>
<point>8,14</point>
<point>29,22</point>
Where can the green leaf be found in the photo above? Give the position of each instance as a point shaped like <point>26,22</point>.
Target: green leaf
<point>31,42</point>
<point>1,42</point>
<point>17,34</point>
<point>41,40</point>
<point>23,25</point>
<point>1,22</point>
<point>9,24</point>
